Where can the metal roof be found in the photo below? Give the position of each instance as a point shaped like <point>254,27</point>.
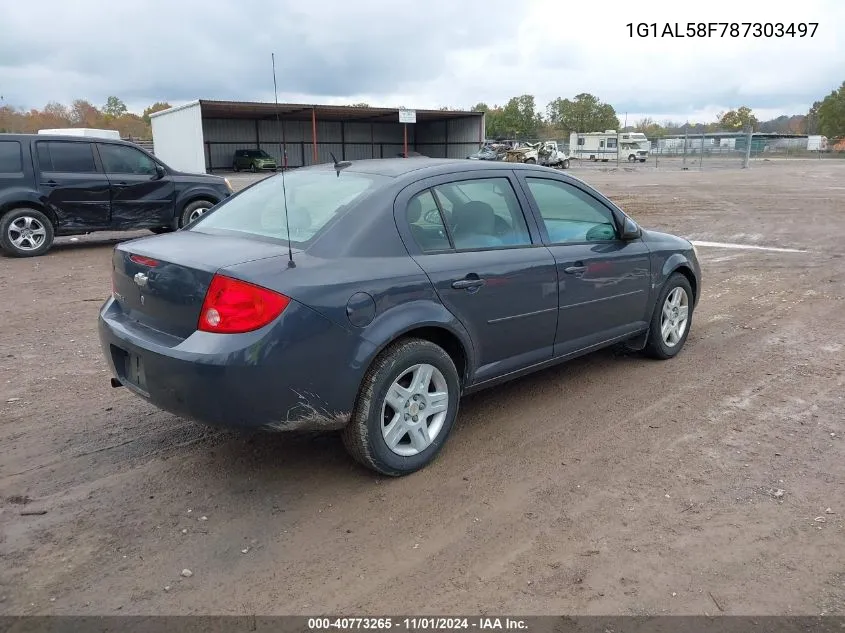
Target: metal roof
<point>289,111</point>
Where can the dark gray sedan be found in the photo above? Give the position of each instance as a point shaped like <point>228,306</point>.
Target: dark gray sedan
<point>368,297</point>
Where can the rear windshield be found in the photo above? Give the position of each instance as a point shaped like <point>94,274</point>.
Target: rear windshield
<point>314,198</point>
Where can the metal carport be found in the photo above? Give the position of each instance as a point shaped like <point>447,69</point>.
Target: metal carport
<point>203,135</point>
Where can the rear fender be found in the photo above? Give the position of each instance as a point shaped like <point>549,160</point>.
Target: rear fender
<point>398,321</point>
<point>16,197</point>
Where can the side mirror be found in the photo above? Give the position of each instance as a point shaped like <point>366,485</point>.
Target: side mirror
<point>630,229</point>
<point>160,173</point>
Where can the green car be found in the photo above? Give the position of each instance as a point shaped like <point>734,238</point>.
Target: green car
<point>253,159</point>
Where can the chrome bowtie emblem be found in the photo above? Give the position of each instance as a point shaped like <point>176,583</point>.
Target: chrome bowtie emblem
<point>141,279</point>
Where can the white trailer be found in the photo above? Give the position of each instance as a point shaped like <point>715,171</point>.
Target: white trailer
<point>82,131</point>
<point>817,143</point>
<point>608,145</point>
<point>178,137</point>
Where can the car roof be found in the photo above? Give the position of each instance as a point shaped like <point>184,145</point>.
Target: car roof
<point>422,167</point>
<point>63,137</point>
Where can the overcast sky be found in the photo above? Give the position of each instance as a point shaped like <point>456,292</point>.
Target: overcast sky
<point>419,54</point>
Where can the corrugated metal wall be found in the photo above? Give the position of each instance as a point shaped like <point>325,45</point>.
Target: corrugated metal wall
<point>455,138</point>
<point>452,138</point>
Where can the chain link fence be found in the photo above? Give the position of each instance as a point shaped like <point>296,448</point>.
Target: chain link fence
<point>717,151</point>
<point>703,151</point>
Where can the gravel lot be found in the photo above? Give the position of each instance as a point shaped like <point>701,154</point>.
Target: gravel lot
<point>713,483</point>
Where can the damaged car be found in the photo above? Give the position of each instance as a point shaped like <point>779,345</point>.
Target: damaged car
<point>368,297</point>
<point>54,185</point>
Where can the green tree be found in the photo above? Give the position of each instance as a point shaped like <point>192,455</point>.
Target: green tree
<point>518,118</point>
<point>114,107</point>
<point>813,118</point>
<point>649,127</point>
<point>584,113</point>
<point>158,106</point>
<point>740,119</point>
<point>83,114</point>
<point>831,113</point>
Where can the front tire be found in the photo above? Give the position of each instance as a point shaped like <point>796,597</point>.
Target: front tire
<point>531,161</point>
<point>565,164</point>
<point>26,233</point>
<point>405,409</point>
<point>193,211</point>
<point>672,318</point>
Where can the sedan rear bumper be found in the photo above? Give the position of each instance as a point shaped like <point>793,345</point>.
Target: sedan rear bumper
<point>259,380</point>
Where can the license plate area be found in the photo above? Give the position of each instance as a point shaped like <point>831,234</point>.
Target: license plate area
<point>129,367</point>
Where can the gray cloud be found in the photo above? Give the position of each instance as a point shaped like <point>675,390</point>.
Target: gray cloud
<point>437,53</point>
<point>169,50</point>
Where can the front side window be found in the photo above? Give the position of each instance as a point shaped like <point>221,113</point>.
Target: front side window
<point>120,159</point>
<point>65,157</point>
<point>571,215</point>
<point>483,213</point>
<point>314,198</point>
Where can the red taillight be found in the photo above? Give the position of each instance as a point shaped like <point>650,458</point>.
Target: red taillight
<point>232,306</point>
<point>144,261</point>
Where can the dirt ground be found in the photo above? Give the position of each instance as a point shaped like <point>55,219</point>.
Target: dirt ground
<point>712,483</point>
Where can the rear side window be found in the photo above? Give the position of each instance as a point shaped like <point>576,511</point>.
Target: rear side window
<point>66,157</point>
<point>10,157</point>
<point>426,223</point>
<point>314,198</point>
<point>483,213</point>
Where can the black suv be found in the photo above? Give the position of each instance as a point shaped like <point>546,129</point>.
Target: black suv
<point>66,185</point>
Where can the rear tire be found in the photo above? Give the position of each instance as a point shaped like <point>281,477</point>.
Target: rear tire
<point>565,164</point>
<point>25,232</point>
<point>382,433</point>
<point>668,330</point>
<point>531,161</point>
<point>194,210</point>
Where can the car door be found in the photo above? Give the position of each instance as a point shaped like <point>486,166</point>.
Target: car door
<point>72,184</point>
<point>487,265</point>
<point>604,280</point>
<point>141,195</point>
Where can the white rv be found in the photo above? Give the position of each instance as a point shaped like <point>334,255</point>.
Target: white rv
<point>607,145</point>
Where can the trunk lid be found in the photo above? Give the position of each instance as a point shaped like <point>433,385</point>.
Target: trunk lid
<point>161,281</point>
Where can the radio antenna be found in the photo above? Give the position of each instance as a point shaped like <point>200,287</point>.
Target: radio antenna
<point>291,263</point>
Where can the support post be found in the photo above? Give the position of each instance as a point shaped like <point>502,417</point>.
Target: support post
<point>405,129</point>
<point>747,157</point>
<point>314,134</point>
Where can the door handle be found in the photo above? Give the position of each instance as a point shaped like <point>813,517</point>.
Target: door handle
<point>51,183</point>
<point>466,284</point>
<point>577,268</point>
